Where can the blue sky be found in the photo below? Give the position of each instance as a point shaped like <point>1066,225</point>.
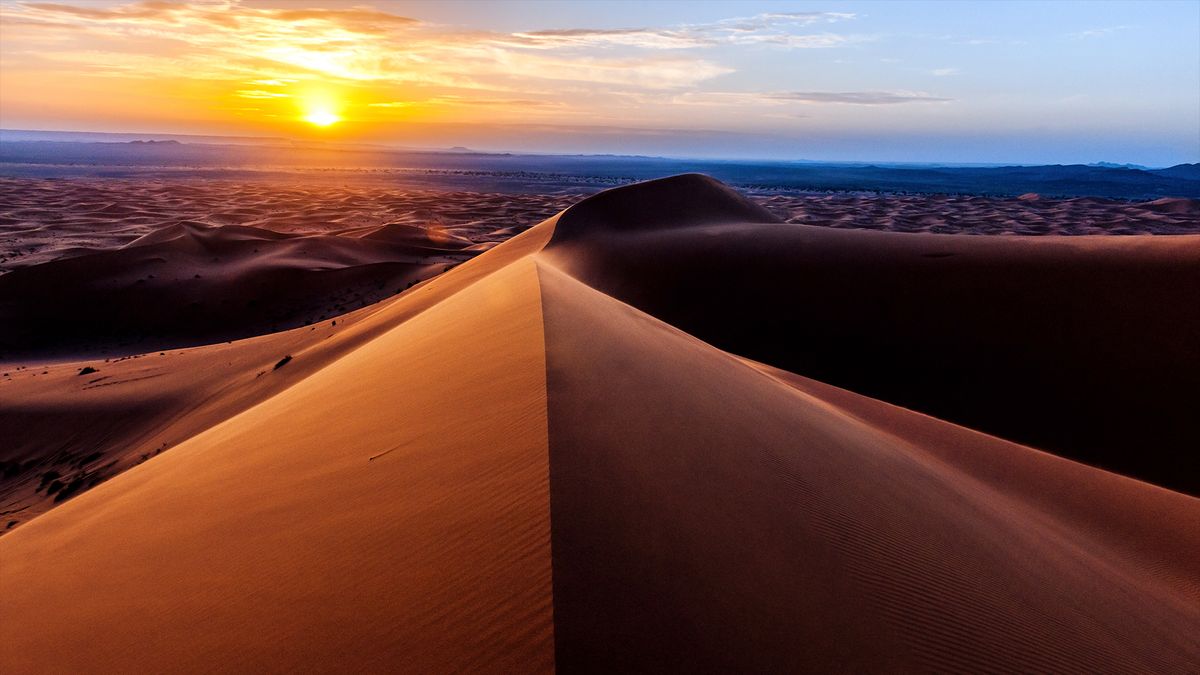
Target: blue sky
<point>1020,82</point>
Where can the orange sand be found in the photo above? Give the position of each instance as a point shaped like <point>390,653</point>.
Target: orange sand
<point>514,468</point>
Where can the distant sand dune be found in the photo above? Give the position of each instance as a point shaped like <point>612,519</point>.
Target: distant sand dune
<point>526,463</point>
<point>367,242</point>
<point>191,283</point>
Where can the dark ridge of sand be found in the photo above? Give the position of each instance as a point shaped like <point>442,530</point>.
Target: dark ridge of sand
<point>1083,346</point>
<point>512,468</point>
<point>190,284</point>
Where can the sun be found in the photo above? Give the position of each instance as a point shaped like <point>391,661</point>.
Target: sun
<point>321,117</point>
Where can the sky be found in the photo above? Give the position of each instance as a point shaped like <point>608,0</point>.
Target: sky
<point>986,82</point>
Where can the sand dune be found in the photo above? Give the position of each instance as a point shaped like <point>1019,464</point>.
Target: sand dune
<point>714,519</point>
<point>367,242</point>
<point>193,284</point>
<point>121,267</point>
<point>526,463</point>
<point>44,220</point>
<point>1085,346</point>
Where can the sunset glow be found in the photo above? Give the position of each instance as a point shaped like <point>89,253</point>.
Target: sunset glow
<point>844,81</point>
<point>320,108</point>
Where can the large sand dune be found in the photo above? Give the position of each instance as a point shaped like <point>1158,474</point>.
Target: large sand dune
<point>527,463</point>
<point>1085,346</point>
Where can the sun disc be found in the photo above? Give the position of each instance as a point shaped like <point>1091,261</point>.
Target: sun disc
<point>321,118</point>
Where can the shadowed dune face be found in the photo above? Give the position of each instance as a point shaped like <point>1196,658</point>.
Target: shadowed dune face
<point>716,520</point>
<point>1088,347</point>
<point>514,467</point>
<point>192,284</point>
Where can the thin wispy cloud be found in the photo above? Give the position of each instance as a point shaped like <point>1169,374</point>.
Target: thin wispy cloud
<point>644,38</point>
<point>1096,32</point>
<point>774,29</point>
<point>854,97</point>
<point>859,98</point>
<point>461,100</point>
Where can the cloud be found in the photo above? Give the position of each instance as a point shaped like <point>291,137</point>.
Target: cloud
<point>773,20</point>
<point>772,29</point>
<point>259,93</point>
<point>854,97</point>
<point>866,98</point>
<point>242,53</point>
<point>223,13</point>
<point>644,38</point>
<point>944,72</point>
<point>1096,32</point>
<point>465,101</point>
<point>229,39</point>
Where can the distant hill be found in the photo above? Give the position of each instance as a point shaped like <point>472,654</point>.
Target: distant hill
<point>1185,171</point>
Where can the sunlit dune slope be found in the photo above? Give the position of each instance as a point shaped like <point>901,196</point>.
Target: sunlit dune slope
<point>67,429</point>
<point>390,509</point>
<point>514,468</point>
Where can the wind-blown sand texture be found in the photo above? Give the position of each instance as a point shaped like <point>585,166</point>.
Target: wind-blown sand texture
<point>543,458</point>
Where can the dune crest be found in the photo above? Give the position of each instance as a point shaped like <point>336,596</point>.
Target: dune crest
<point>543,459</point>
<point>681,201</point>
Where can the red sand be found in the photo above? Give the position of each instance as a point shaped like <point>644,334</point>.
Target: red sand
<point>509,468</point>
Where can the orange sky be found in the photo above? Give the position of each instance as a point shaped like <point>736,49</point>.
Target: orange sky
<point>841,80</point>
<point>226,68</point>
